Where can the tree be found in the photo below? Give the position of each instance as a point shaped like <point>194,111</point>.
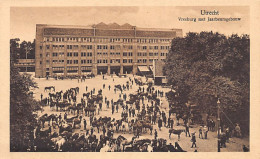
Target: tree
<point>22,106</point>
<point>204,66</point>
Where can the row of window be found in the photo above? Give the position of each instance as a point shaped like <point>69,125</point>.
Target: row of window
<point>89,54</point>
<point>151,54</point>
<point>89,39</point>
<point>127,53</point>
<point>105,47</point>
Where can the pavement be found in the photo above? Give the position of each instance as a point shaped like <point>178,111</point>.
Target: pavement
<point>203,145</point>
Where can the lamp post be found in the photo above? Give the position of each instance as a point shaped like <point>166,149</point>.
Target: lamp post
<point>218,125</point>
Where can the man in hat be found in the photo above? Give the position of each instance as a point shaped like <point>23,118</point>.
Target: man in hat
<point>193,140</point>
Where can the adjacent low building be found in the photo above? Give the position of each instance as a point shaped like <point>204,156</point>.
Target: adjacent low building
<point>99,49</point>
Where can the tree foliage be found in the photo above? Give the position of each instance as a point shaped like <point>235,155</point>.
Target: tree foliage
<point>19,51</point>
<point>204,66</point>
<point>22,106</point>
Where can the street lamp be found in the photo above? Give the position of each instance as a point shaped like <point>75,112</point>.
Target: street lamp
<point>218,125</point>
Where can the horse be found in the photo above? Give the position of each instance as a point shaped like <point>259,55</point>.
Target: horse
<point>176,132</point>
<point>91,109</point>
<point>86,95</point>
<point>49,88</point>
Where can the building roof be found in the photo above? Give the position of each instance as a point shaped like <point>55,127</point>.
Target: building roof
<point>111,29</point>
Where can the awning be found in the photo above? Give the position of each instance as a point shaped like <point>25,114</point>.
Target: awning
<point>72,73</point>
<point>151,68</point>
<point>59,74</point>
<point>143,69</point>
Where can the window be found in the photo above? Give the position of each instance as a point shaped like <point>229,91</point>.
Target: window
<point>54,54</point>
<point>69,54</point>
<point>124,53</point>
<point>40,62</point>
<point>144,60</point>
<point>124,60</point>
<point>47,46</point>
<point>47,54</point>
<point>75,61</point>
<point>162,54</point>
<point>41,47</point>
<point>167,47</point>
<point>112,47</point>
<point>104,53</point>
<point>61,54</point>
<point>89,61</point>
<point>130,54</point>
<point>61,46</point>
<point>156,54</point>
<point>55,46</point>
<point>104,61</point>
<point>117,60</point>
<point>75,54</point>
<point>144,47</point>
<point>69,61</point>
<point>69,47</point>
<point>89,53</point>
<point>83,61</point>
<point>162,47</point>
<point>150,60</point>
<point>99,47</point>
<point>105,47</point>
<point>47,62</point>
<point>99,61</point>
<point>83,54</point>
<point>99,53</point>
<point>155,47</point>
<point>118,53</point>
<point>40,55</point>
<point>150,54</point>
<point>139,54</point>
<point>130,60</point>
<point>89,47</point>
<point>144,54</point>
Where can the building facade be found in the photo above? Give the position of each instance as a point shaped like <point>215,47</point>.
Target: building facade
<point>99,49</point>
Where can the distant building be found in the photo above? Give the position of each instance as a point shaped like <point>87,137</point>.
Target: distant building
<point>99,49</point>
<point>25,65</point>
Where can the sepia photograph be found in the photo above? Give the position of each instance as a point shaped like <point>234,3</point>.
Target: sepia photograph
<point>130,79</point>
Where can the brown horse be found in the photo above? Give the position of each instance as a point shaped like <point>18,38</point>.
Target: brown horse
<point>176,132</point>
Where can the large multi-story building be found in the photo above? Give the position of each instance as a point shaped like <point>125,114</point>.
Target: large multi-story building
<point>100,49</point>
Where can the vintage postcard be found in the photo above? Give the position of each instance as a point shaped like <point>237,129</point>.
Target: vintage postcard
<point>123,78</point>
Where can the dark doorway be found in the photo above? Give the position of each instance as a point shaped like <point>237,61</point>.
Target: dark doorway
<point>114,70</point>
<point>102,70</point>
<point>127,69</point>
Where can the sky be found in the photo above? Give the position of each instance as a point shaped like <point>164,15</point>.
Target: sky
<point>23,20</point>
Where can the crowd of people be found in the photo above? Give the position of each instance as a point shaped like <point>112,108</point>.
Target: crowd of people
<point>141,113</point>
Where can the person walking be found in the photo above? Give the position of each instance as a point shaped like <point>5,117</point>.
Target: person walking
<point>86,88</point>
<point>193,140</point>
<point>85,124</point>
<point>160,123</point>
<point>113,109</point>
<point>205,132</point>
<point>187,129</point>
<point>155,134</point>
<point>200,132</point>
<point>117,108</point>
<point>41,96</point>
<point>109,87</point>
